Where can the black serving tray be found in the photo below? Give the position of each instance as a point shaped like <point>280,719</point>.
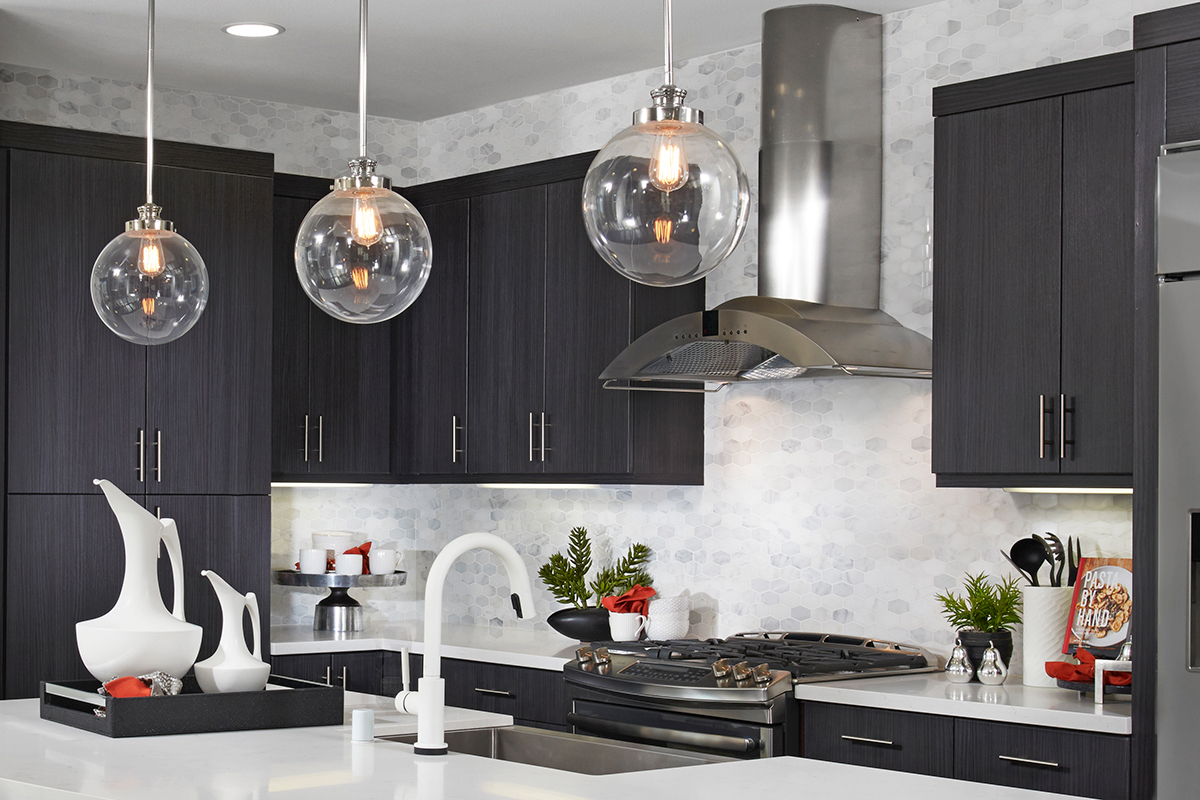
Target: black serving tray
<point>301,704</point>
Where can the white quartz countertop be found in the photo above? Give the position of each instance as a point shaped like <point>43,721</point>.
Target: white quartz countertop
<point>493,645</point>
<point>1012,701</point>
<point>44,760</point>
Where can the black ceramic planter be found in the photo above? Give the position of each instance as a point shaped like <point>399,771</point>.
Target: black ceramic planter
<point>584,624</point>
<point>977,641</point>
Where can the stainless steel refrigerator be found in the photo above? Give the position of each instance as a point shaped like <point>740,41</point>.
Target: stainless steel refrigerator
<point>1178,701</point>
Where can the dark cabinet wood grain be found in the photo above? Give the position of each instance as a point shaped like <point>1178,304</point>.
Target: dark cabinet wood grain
<point>525,694</point>
<point>1046,759</point>
<point>507,331</point>
<point>872,737</point>
<point>76,391</point>
<point>289,344</point>
<point>316,667</point>
<point>358,672</point>
<point>433,430</point>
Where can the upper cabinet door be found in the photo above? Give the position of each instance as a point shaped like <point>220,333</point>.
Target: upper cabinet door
<point>76,391</point>
<point>507,332</point>
<point>208,398</point>
<point>1097,300</point>
<point>432,429</point>
<point>289,347</point>
<point>587,325</point>
<point>997,256</point>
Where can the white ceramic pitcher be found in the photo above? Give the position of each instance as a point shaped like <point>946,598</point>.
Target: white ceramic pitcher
<point>233,668</point>
<point>139,635</point>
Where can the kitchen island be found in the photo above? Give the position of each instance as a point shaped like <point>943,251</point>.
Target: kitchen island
<point>46,760</point>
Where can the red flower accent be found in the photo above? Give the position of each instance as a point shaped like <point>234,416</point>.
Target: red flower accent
<point>634,601</point>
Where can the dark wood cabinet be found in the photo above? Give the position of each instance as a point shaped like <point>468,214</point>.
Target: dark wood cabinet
<point>1046,759</point>
<point>872,737</point>
<point>332,380</point>
<point>527,695</point>
<point>1033,246</point>
<point>315,667</point>
<point>354,672</point>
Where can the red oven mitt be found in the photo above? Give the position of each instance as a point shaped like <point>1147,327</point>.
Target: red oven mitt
<point>362,550</point>
<point>634,601</point>
<point>1085,671</point>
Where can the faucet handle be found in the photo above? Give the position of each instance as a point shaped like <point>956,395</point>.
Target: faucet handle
<point>405,671</point>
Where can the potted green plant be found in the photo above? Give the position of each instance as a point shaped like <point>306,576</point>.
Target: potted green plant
<point>986,615</point>
<point>566,576</point>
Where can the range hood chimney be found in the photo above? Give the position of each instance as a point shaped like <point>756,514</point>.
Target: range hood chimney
<point>819,225</point>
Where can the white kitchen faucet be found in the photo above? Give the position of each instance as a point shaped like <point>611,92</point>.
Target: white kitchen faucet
<point>429,701</point>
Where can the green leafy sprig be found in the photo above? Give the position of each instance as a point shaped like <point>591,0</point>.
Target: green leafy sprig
<point>566,575</point>
<point>986,607</point>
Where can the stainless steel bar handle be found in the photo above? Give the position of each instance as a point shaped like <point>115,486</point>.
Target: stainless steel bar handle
<point>1032,761</point>
<point>1062,427</point>
<point>707,741</point>
<point>496,692</point>
<point>158,454</point>
<point>531,436</point>
<point>343,677</point>
<point>320,438</point>
<point>141,457</point>
<point>1041,426</point>
<point>455,451</point>
<point>158,511</point>
<point>306,438</point>
<point>865,740</point>
<point>329,676</point>
<point>543,447</point>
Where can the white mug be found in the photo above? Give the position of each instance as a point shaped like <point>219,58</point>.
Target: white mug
<point>383,562</point>
<point>313,561</point>
<point>348,564</point>
<point>626,627</point>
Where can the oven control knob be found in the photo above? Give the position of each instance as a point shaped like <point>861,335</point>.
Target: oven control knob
<point>600,655</point>
<point>585,655</point>
<point>741,671</point>
<point>721,668</point>
<point>761,673</point>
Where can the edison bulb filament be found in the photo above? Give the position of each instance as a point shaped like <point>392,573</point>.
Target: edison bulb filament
<point>366,226</point>
<point>668,164</point>
<point>150,258</point>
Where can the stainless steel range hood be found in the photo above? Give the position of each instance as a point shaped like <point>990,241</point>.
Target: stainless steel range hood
<point>820,193</point>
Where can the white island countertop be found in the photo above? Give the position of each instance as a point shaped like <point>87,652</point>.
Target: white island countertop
<point>489,644</point>
<point>1012,701</point>
<point>44,760</point>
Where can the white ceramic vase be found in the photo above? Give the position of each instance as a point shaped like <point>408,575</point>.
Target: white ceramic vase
<point>233,668</point>
<point>139,635</point>
<point>1044,612</point>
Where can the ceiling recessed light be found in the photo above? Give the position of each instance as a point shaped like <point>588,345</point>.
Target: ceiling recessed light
<point>253,30</point>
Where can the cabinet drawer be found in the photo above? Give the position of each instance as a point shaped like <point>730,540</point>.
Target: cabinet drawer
<point>526,694</point>
<point>1046,759</point>
<point>872,737</point>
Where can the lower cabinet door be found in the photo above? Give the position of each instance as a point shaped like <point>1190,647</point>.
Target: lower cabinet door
<point>358,672</point>
<point>872,737</point>
<point>528,695</point>
<point>309,667</point>
<point>1047,759</point>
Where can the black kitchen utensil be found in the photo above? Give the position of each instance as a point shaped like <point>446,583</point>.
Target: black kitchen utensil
<point>1029,555</point>
<point>1056,552</point>
<point>1074,554</point>
<point>1049,555</point>
<point>1024,574</point>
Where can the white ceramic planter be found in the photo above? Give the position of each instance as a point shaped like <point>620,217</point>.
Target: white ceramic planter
<point>1044,611</point>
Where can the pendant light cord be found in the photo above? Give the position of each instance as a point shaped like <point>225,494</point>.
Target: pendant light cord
<point>669,70</point>
<point>362,78</point>
<point>150,104</point>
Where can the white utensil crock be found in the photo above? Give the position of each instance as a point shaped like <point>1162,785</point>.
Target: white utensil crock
<point>1045,610</point>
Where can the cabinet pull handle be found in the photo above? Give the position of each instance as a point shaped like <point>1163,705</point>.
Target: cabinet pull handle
<point>141,455</point>
<point>496,692</point>
<point>531,436</point>
<point>320,437</point>
<point>865,740</point>
<point>545,425</point>
<point>343,677</point>
<point>1032,761</point>
<point>455,451</point>
<point>158,511</point>
<point>1063,441</point>
<point>1041,426</point>
<point>329,676</point>
<point>158,454</point>
<point>306,438</point>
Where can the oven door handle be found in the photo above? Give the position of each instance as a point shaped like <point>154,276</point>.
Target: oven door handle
<point>707,741</point>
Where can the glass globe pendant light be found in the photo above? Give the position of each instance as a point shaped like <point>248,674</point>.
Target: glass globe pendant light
<point>666,200</point>
<point>363,252</point>
<point>149,285</point>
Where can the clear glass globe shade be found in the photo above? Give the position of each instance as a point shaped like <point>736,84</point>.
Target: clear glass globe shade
<point>363,255</point>
<point>149,286</point>
<point>665,238</point>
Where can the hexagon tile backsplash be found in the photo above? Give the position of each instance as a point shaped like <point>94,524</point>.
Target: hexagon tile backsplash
<point>818,510</point>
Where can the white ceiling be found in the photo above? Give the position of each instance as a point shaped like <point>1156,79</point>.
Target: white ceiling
<point>427,59</point>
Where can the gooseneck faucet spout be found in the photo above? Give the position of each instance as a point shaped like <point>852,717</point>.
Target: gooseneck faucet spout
<point>429,701</point>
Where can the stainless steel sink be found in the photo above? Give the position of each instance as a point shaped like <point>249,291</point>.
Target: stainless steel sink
<point>587,755</point>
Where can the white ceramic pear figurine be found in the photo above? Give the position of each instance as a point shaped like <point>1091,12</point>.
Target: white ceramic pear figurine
<point>139,635</point>
<point>233,668</point>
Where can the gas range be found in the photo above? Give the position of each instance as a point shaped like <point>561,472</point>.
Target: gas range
<point>746,668</point>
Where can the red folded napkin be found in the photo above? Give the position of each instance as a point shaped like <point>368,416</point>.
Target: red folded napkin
<point>128,686</point>
<point>1085,671</point>
<point>361,550</point>
<point>634,601</point>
